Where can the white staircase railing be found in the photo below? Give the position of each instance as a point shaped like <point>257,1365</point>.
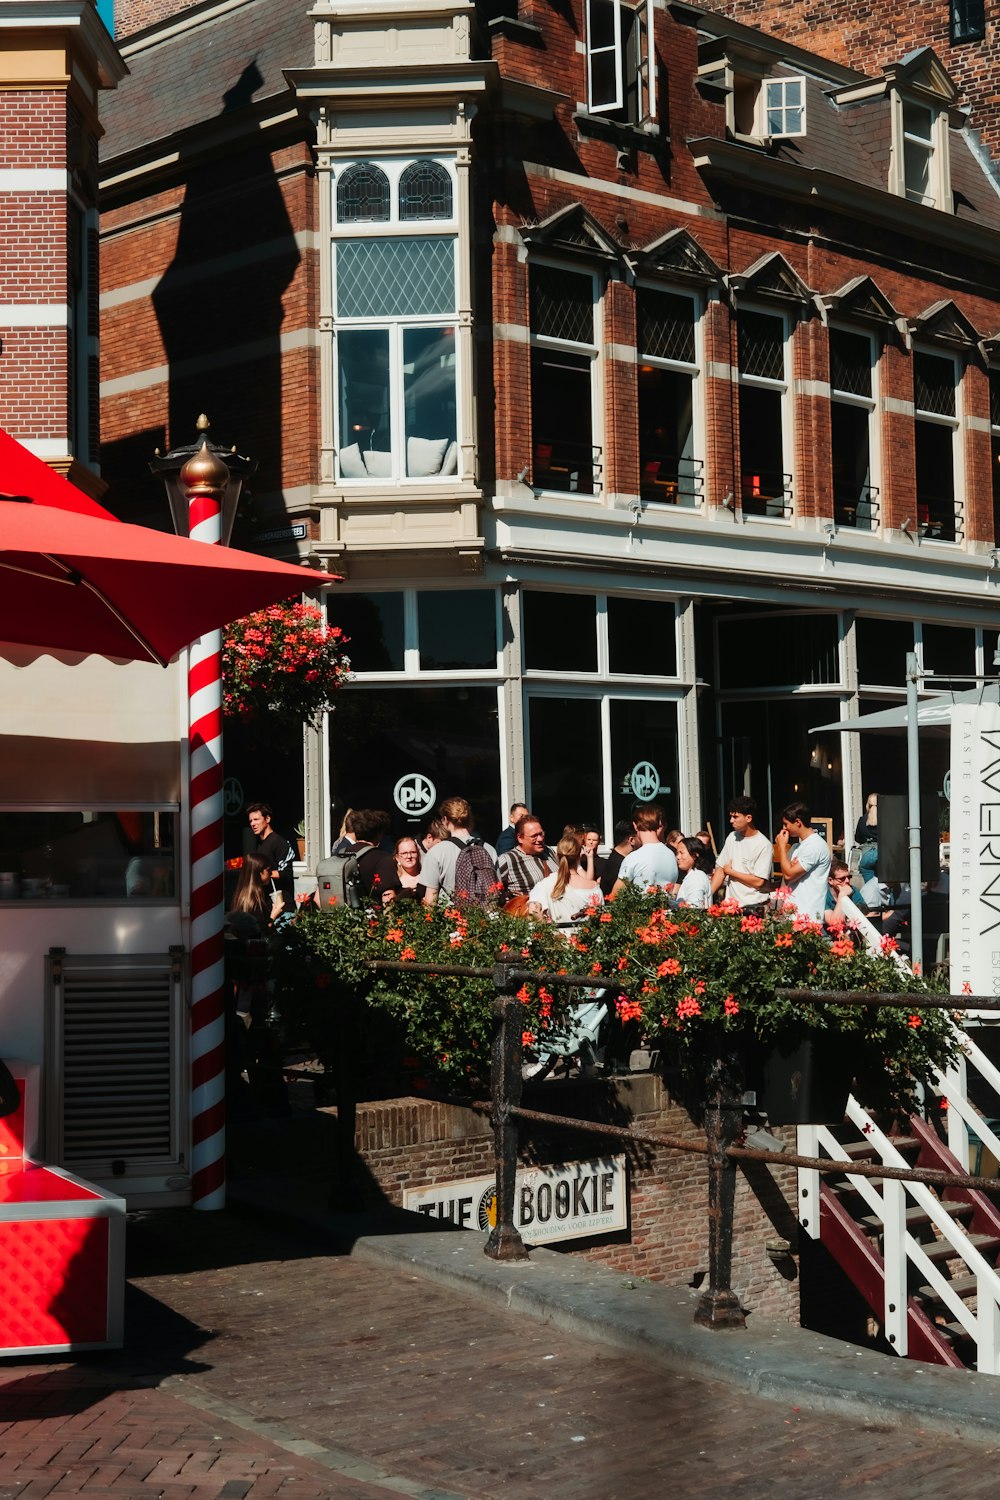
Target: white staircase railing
<point>887,1201</point>
<point>963,1117</point>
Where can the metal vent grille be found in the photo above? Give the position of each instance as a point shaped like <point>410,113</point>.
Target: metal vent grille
<point>115,1036</point>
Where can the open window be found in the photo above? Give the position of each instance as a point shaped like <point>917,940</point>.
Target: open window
<point>621,62</point>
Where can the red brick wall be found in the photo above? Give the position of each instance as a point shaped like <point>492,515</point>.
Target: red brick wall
<point>410,1143</point>
<point>34,374</point>
<point>200,302</point>
<point>136,15</point>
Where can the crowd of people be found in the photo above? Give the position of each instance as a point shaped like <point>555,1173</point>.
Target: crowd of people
<point>523,872</point>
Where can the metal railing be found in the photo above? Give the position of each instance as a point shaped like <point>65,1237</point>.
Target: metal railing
<point>766,492</point>
<point>858,509</point>
<point>719,1306</point>
<point>561,464</point>
<point>670,479</point>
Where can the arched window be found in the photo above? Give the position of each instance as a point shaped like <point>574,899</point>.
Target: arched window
<point>425,191</point>
<point>362,193</point>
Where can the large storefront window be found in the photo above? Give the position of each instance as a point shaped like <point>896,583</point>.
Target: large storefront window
<point>770,754</point>
<point>444,736</point>
<point>594,757</point>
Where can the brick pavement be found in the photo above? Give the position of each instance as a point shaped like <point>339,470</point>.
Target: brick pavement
<point>259,1364</point>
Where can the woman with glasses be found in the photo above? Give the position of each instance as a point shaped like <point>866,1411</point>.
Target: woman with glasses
<point>407,857</point>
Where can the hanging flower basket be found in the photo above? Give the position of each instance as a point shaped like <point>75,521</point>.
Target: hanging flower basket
<point>283,663</point>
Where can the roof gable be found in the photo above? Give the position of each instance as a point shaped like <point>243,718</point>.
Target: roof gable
<point>770,277</point>
<point>677,256</point>
<point>572,231</point>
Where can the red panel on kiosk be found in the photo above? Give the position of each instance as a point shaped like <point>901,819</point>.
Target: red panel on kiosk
<point>54,1274</point>
<point>40,1185</point>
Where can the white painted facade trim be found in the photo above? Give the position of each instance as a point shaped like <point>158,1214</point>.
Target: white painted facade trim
<point>34,315</point>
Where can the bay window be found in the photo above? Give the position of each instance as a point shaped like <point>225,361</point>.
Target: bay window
<point>396,324</point>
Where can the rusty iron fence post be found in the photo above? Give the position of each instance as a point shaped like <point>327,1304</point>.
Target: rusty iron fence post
<point>719,1306</point>
<point>505,1242</point>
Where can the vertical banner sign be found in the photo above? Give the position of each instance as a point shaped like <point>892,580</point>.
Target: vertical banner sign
<point>975,850</point>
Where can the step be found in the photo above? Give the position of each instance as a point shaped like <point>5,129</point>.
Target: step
<point>938,1250</point>
<point>962,1286</point>
<point>867,1150</point>
<point>915,1217</point>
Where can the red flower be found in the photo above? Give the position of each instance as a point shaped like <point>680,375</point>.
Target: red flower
<point>783,940</point>
<point>688,1007</point>
<point>731,1006</point>
<point>914,1021</point>
<point>668,966</point>
<point>408,953</point>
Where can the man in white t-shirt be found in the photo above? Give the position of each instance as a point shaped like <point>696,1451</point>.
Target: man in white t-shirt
<point>652,863</point>
<point>745,861</point>
<point>808,870</point>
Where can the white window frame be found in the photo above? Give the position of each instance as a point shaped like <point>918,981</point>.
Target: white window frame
<point>642,20</point>
<point>784,389</point>
<point>396,228</point>
<point>570,346</point>
<point>956,426</point>
<point>869,403</point>
<point>681,367</point>
<point>935,144</point>
<point>765,108</point>
<point>412,672</point>
<point>604,686</point>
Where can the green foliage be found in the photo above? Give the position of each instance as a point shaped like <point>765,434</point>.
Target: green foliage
<point>447,1019</point>
<point>699,979</point>
<point>698,983</point>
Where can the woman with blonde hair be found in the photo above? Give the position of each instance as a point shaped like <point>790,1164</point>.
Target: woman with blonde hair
<point>565,898</point>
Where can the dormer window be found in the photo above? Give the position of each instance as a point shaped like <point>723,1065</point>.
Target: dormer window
<point>621,63</point>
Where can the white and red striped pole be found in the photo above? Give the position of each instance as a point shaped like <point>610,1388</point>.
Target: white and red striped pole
<point>204,478</point>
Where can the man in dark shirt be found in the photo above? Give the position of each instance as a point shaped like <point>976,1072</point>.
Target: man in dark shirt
<point>625,842</point>
<point>379,875</point>
<point>275,849</point>
<point>507,838</point>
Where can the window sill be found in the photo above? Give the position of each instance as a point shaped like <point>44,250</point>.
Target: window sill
<point>515,30</point>
<point>624,137</point>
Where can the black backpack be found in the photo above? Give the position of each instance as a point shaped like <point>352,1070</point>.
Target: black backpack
<point>476,881</point>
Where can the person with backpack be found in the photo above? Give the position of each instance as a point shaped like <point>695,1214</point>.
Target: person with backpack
<point>462,868</point>
<point>359,873</point>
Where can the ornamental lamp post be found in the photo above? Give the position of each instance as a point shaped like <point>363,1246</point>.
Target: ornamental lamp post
<point>203,490</point>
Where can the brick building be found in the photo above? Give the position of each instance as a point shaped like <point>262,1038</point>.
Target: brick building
<point>634,366</point>
<point>54,62</point>
<point>964,36</point>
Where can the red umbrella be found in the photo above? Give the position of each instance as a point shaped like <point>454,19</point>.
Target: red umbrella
<point>21,473</point>
<point>76,583</point>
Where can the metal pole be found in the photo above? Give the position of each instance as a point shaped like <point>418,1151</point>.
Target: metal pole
<point>913,804</point>
<point>719,1306</point>
<point>505,1242</point>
